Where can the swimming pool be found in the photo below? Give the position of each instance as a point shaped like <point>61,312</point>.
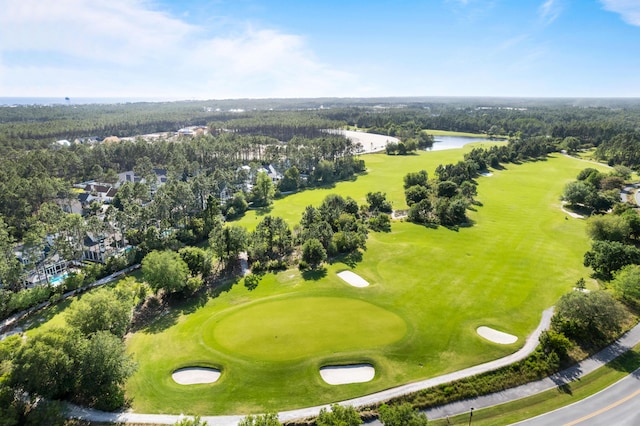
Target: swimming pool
<point>58,279</point>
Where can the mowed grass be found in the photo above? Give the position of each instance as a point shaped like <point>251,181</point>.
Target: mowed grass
<point>430,288</point>
<point>362,325</point>
<point>384,173</point>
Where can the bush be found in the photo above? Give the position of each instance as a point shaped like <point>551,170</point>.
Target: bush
<point>251,281</point>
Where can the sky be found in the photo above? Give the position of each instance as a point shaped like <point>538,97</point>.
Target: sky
<point>222,49</point>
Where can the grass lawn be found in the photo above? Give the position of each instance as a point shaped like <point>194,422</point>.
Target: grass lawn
<point>430,289</point>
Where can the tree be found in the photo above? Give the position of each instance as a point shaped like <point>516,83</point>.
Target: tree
<point>165,270</point>
<point>291,180</point>
<point>401,415</point>
<point>269,419</point>
<point>606,257</point>
<point>416,178</point>
<point>592,316</point>
<point>197,260</point>
<point>100,310</point>
<point>313,252</point>
<point>447,189</point>
<point>104,368</point>
<point>338,416</point>
<point>415,194</point>
<point>608,227</point>
<point>264,190</point>
<point>271,239</point>
<point>228,242</point>
<point>422,212</point>
<point>378,202</point>
<point>46,365</point>
<point>577,192</point>
<point>626,283</point>
<point>237,205</point>
<point>10,267</point>
<point>325,172</point>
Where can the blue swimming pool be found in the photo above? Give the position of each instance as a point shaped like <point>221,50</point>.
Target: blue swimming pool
<point>58,279</point>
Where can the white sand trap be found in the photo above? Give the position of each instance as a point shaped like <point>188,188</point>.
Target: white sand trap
<point>486,174</point>
<point>353,279</point>
<point>496,336</point>
<point>345,374</point>
<point>195,375</point>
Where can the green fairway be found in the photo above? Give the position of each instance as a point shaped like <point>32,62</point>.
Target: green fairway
<point>430,289</point>
<point>384,173</point>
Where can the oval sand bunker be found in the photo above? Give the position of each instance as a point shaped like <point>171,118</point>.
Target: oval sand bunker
<point>345,374</point>
<point>195,375</point>
<point>353,279</point>
<point>496,336</point>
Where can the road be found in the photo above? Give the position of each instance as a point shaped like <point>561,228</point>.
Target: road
<point>616,405</point>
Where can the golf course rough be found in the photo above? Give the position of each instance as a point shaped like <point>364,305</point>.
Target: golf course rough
<point>433,289</point>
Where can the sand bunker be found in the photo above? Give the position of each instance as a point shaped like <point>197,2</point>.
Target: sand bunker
<point>496,336</point>
<point>353,279</point>
<point>345,374</point>
<point>195,375</point>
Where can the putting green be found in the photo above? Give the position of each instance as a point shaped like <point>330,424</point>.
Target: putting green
<point>295,328</point>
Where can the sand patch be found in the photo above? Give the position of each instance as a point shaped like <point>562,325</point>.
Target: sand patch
<point>496,336</point>
<point>353,279</point>
<point>486,174</point>
<point>195,375</point>
<point>345,374</point>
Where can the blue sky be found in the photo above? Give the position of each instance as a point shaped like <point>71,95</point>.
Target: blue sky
<point>218,49</point>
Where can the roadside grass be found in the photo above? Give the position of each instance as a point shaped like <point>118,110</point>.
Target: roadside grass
<point>521,254</point>
<point>552,399</point>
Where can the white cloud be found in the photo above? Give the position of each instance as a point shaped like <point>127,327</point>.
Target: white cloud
<point>127,48</point>
<point>549,11</point>
<point>629,10</point>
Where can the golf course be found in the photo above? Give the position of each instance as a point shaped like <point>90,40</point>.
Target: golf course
<point>429,290</point>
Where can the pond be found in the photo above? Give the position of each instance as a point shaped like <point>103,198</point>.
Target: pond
<point>451,142</point>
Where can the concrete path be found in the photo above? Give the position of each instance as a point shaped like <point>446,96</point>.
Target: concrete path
<point>526,350</point>
<point>244,263</point>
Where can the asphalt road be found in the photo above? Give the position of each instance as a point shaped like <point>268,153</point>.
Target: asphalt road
<point>618,405</point>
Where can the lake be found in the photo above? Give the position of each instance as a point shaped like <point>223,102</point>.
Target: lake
<point>450,142</point>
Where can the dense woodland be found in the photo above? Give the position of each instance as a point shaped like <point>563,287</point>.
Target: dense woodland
<point>216,176</point>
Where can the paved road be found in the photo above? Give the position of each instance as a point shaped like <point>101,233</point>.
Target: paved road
<point>617,405</point>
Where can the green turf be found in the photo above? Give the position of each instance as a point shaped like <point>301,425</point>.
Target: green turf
<point>297,328</point>
<point>384,173</point>
<point>521,254</point>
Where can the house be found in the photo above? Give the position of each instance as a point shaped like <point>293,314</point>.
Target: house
<point>94,249</point>
<point>132,177</point>
<point>45,264</point>
<point>272,173</point>
<point>103,193</point>
<point>91,140</point>
<point>61,143</point>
